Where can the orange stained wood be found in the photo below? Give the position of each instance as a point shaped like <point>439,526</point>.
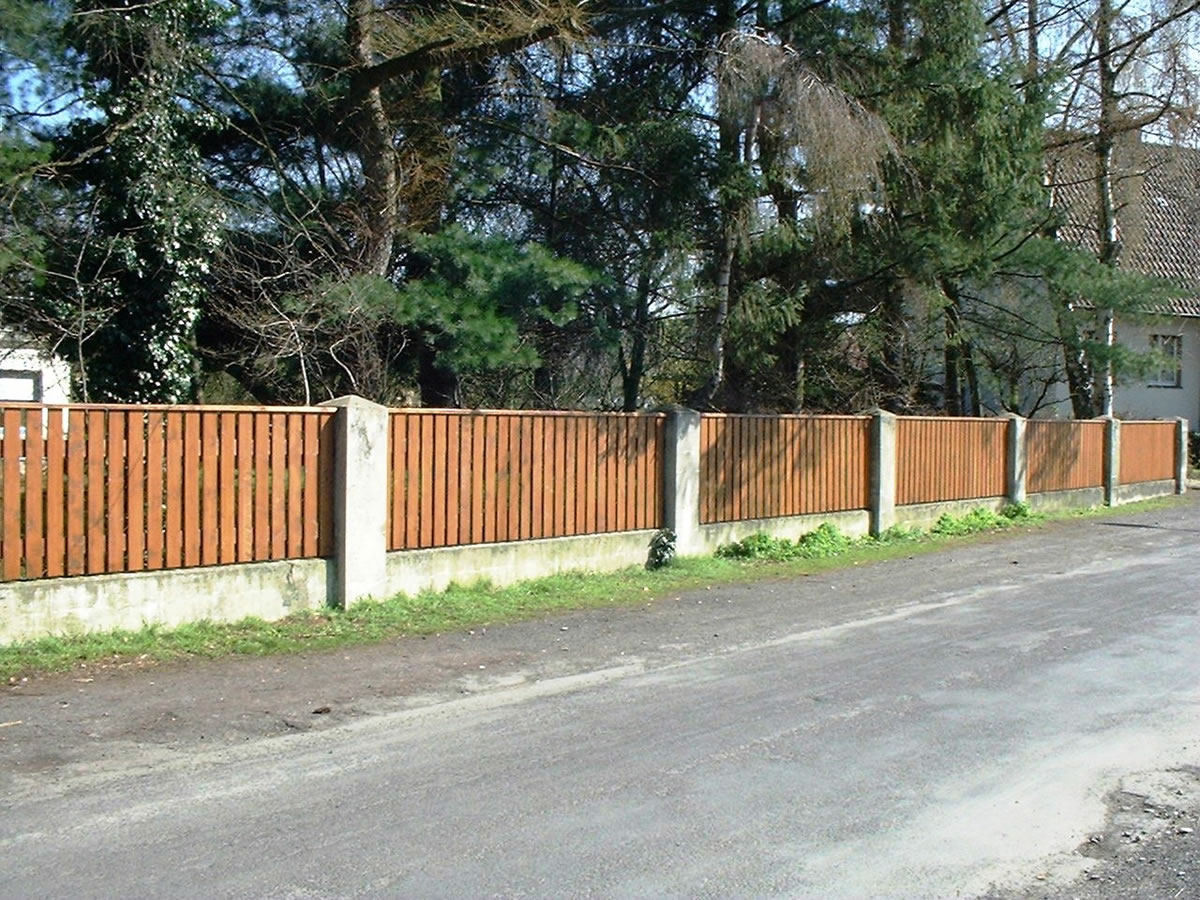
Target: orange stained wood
<point>210,489</point>
<point>294,479</point>
<point>97,543</point>
<point>941,459</point>
<point>226,465</point>
<point>135,500</point>
<point>76,494</point>
<point>1064,455</point>
<point>768,466</point>
<point>477,477</point>
<point>244,466</point>
<point>191,521</point>
<point>56,508</point>
<point>278,481</point>
<point>154,490</point>
<point>1148,451</point>
<point>309,479</point>
<point>262,487</point>
<point>35,496</point>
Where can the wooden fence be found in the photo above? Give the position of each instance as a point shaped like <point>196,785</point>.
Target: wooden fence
<point>950,459</point>
<point>757,467</point>
<point>1147,451</point>
<point>462,477</point>
<point>103,489</point>
<point>1063,456</point>
<point>110,489</point>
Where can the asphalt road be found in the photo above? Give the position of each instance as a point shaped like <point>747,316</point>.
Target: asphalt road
<point>950,725</point>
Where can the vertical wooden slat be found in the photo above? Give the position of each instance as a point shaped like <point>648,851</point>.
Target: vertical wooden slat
<point>295,485</point>
<point>13,543</point>
<point>535,475</point>
<point>173,501</point>
<point>209,489</point>
<point>572,506</point>
<point>114,466</point>
<point>192,521</point>
<point>245,486</point>
<point>35,541</point>
<point>227,487</point>
<point>262,486</point>
<point>278,482</point>
<point>135,528</point>
<point>97,535</point>
<point>412,480</point>
<point>513,532</point>
<point>454,492</point>
<point>155,439</point>
<point>489,478</point>
<point>645,485</point>
<point>312,437</point>
<point>56,468</point>
<point>441,463</point>
<point>76,524</point>
<point>426,465</point>
<point>604,479</point>
<point>634,485</point>
<point>478,469</point>
<point>557,521</point>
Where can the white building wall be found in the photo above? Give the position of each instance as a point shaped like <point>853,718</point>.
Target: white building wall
<point>29,374</point>
<point>1136,399</point>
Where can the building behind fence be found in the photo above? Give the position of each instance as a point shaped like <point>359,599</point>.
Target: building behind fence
<point>116,515</point>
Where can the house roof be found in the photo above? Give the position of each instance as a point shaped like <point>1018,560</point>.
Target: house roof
<point>1157,191</point>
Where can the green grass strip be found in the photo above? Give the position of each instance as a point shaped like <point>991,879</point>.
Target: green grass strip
<point>757,558</point>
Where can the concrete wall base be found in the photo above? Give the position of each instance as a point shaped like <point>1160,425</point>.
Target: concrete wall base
<point>267,590</point>
<point>925,515</point>
<point>413,571</point>
<point>1077,498</point>
<point>1142,490</point>
<point>853,523</point>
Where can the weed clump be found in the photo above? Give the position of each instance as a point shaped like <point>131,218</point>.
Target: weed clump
<point>824,542</point>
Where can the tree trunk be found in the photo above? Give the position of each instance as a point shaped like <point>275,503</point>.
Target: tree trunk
<point>634,370</point>
<point>1106,210</point>
<point>373,135</point>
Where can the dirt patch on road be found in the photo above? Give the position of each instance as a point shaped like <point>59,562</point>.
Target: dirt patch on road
<point>1149,848</point>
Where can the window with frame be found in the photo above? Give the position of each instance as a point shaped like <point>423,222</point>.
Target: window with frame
<point>1169,371</point>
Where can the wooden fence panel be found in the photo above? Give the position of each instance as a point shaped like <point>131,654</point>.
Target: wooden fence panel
<point>1063,455</point>
<point>755,467</point>
<point>463,477</point>
<point>1148,451</point>
<point>108,489</point>
<point>950,459</point>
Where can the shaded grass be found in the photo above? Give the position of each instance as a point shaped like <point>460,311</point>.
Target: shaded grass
<point>758,558</point>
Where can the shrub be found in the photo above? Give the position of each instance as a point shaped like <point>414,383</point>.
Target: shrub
<point>662,549</point>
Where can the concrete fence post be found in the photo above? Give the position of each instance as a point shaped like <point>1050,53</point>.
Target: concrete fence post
<point>1181,456</point>
<point>1018,459</point>
<point>1112,459</point>
<point>681,480</point>
<point>360,499</point>
<point>883,472</point>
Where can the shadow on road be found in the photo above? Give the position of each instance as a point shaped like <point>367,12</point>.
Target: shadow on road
<point>1154,527</point>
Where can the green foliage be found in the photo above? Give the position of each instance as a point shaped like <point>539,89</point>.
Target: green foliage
<point>1017,512</point>
<point>825,541</point>
<point>480,294</point>
<point>141,254</point>
<point>978,519</point>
